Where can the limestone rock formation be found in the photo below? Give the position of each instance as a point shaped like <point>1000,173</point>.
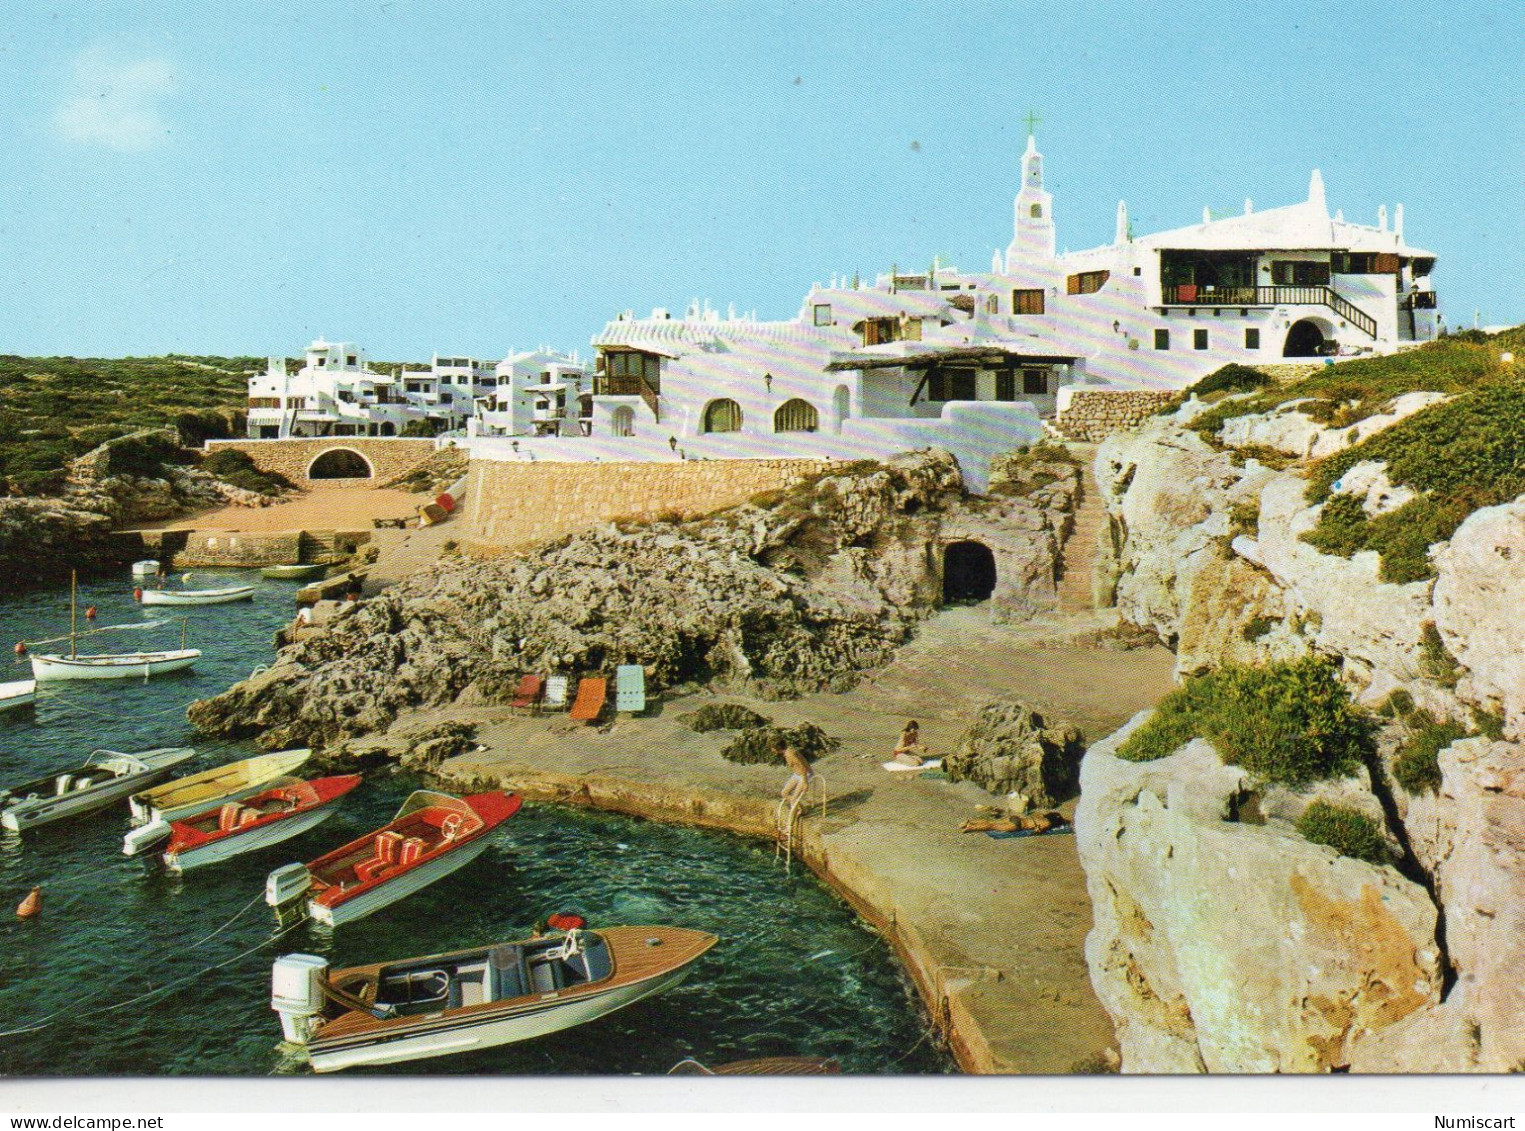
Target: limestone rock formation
<point>1224,946</point>
<point>1011,748</point>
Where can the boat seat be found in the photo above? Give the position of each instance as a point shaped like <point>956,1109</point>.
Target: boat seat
<point>83,783</point>
<point>411,850</point>
<point>248,815</point>
<point>505,968</point>
<point>546,975</point>
<point>63,782</point>
<point>387,844</point>
<point>227,816</point>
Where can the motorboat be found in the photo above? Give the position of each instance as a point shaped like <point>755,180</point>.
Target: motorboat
<point>432,835</point>
<point>107,776</point>
<point>17,693</point>
<point>761,1066</point>
<point>295,572</point>
<point>474,999</point>
<point>261,820</point>
<point>194,794</point>
<point>146,568</point>
<point>223,596</point>
<point>112,665</point>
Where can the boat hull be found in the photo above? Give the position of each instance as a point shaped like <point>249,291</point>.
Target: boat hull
<point>257,774</point>
<point>194,597</point>
<point>294,572</point>
<point>255,839</point>
<point>473,1033</point>
<point>126,665</point>
<point>403,885</point>
<point>45,810</point>
<point>17,693</point>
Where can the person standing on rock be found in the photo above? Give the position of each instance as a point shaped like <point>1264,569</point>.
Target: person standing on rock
<point>799,780</point>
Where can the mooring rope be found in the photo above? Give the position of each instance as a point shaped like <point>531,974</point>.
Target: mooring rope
<point>115,716</point>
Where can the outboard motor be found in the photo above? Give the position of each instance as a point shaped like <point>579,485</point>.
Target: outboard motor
<point>286,891</point>
<point>140,839</point>
<point>296,994</point>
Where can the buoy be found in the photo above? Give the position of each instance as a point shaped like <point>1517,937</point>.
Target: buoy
<point>31,905</point>
<point>21,648</point>
<point>137,594</point>
<point>90,613</point>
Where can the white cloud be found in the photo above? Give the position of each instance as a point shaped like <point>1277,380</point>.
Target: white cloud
<point>114,101</point>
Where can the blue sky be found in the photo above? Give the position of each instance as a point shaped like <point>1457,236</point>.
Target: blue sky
<point>218,178</point>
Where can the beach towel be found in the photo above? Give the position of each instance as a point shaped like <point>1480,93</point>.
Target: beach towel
<point>993,835</point>
<point>899,768</point>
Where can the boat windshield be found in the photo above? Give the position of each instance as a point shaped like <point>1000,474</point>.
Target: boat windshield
<point>115,761</point>
<point>429,799</point>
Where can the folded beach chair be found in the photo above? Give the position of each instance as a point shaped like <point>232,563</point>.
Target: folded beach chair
<point>555,698</point>
<point>527,694</point>
<point>591,693</point>
<point>630,688</point>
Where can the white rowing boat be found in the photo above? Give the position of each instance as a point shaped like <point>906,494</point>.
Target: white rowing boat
<point>232,782</point>
<point>17,693</point>
<point>112,665</point>
<point>106,777</point>
<point>221,596</point>
<point>146,568</point>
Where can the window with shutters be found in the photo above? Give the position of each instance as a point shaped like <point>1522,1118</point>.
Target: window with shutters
<point>796,416</point>
<point>1035,381</point>
<point>722,416</point>
<point>1087,282</point>
<point>1027,301</point>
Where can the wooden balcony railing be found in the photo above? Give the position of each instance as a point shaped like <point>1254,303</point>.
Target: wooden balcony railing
<point>1191,295</point>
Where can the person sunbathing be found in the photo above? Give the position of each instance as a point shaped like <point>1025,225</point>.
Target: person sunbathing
<point>1034,823</point>
<point>909,751</point>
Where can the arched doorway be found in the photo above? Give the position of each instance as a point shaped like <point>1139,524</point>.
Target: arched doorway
<point>722,416</point>
<point>340,463</point>
<point>968,572</point>
<point>388,428</point>
<point>622,421</point>
<point>796,416</point>
<point>841,405</point>
<point>1305,339</point>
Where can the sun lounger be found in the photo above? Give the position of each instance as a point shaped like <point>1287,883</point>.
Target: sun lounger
<point>591,693</point>
<point>630,688</point>
<point>555,697</point>
<point>527,694</point>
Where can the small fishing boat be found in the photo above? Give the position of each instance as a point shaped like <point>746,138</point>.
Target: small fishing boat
<point>474,999</point>
<point>112,665</point>
<point>295,572</point>
<point>279,813</point>
<point>184,796</point>
<point>17,693</point>
<point>107,776</point>
<point>761,1066</point>
<point>146,568</point>
<point>223,596</point>
<point>432,835</point>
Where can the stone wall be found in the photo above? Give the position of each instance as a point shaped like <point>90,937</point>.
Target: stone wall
<point>388,458</point>
<point>514,505</point>
<point>1094,414</point>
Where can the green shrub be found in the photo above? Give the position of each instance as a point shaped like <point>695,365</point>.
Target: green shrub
<point>1489,724</point>
<point>1259,627</point>
<point>237,468</point>
<point>1244,518</point>
<point>141,455</point>
<point>1416,764</point>
<point>1347,831</point>
<point>1398,705</point>
<point>722,716</point>
<point>1435,660</point>
<point>1230,379</point>
<point>754,745</point>
<point>420,428</point>
<point>1290,722</point>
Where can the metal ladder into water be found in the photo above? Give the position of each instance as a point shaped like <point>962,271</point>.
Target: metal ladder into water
<point>786,821</point>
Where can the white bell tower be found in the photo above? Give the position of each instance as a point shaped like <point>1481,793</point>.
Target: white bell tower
<point>1033,237</point>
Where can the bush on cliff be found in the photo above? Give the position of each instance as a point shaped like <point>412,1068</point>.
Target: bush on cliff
<point>1230,379</point>
<point>755,745</point>
<point>235,467</point>
<point>1416,765</point>
<point>723,716</point>
<point>1290,722</point>
<point>1347,831</point>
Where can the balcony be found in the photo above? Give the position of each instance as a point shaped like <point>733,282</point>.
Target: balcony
<point>1189,294</point>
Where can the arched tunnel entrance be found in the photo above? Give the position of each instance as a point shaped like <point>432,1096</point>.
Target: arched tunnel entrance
<point>968,572</point>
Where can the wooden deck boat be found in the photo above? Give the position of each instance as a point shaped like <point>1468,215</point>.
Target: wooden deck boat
<point>761,1066</point>
<point>112,665</point>
<point>432,835</point>
<point>284,810</point>
<point>17,693</point>
<point>295,572</point>
<point>107,776</point>
<point>474,999</point>
<point>198,596</point>
<point>194,794</point>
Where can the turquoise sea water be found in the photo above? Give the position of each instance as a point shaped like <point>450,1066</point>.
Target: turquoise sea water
<point>794,974</point>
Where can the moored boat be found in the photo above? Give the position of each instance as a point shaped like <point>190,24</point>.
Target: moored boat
<point>222,596</point>
<point>17,693</point>
<point>295,572</point>
<point>432,835</point>
<point>193,794</point>
<point>233,828</point>
<point>112,665</point>
<point>474,999</point>
<point>146,568</point>
<point>107,776</point>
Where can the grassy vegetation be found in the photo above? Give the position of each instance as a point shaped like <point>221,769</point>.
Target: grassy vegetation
<point>235,467</point>
<point>1347,831</point>
<point>1230,379</point>
<point>54,409</point>
<point>1435,660</point>
<point>755,745</point>
<point>723,716</point>
<point>1287,722</point>
<point>1417,763</point>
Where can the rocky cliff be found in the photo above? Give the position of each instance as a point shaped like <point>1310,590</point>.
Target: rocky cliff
<point>1231,943</point>
<point>791,593</point>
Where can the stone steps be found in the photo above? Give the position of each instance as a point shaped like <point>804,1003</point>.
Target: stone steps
<point>1080,548</point>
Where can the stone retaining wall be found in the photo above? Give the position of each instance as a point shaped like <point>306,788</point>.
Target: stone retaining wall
<point>182,549</point>
<point>515,505</point>
<point>388,458</point>
<point>1092,415</point>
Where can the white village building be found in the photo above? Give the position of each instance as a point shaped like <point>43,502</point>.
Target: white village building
<point>335,393</point>
<point>536,393</point>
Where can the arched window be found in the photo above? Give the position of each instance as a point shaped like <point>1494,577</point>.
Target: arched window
<point>722,416</point>
<point>796,416</point>
<point>622,421</point>
<point>1036,212</point>
<point>340,463</point>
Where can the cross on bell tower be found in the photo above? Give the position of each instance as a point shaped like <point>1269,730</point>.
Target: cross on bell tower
<point>1032,120</point>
